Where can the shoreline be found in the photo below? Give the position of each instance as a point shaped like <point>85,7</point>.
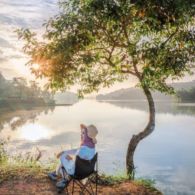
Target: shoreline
<point>32,179</point>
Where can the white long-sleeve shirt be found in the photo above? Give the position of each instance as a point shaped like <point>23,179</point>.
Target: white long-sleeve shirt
<point>83,152</point>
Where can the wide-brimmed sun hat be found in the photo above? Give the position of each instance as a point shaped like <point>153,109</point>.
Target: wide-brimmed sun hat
<point>92,132</point>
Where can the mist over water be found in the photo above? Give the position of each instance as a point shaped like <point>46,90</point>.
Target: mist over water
<point>167,155</point>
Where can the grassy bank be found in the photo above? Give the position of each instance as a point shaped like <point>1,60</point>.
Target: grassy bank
<point>16,176</point>
<point>26,175</point>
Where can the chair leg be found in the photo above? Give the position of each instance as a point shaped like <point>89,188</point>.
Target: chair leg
<point>91,188</point>
<point>67,190</point>
<point>96,182</point>
<point>83,188</point>
<point>72,186</point>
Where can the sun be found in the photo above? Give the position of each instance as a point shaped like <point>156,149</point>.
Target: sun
<point>35,66</point>
<point>34,132</point>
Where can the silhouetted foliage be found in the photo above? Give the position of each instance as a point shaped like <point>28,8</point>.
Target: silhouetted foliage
<point>18,91</point>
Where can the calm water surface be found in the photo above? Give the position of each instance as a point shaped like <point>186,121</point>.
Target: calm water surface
<point>167,155</point>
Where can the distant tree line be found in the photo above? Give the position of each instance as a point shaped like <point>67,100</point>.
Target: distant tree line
<point>187,95</point>
<point>18,90</point>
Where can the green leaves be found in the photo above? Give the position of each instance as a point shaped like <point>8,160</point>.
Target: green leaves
<point>95,43</point>
<point>159,13</point>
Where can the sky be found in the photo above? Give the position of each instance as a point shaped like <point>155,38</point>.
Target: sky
<point>31,14</point>
<point>16,14</point>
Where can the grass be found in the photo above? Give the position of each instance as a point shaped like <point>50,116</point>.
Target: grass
<point>27,166</point>
<point>10,170</point>
<point>21,166</point>
<point>117,179</point>
<point>148,183</point>
<point>35,171</point>
<point>122,177</point>
<point>112,179</point>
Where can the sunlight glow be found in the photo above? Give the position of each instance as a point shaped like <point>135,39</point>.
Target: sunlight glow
<point>34,132</point>
<point>35,66</point>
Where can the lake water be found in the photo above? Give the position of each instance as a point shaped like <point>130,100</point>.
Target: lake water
<point>167,155</point>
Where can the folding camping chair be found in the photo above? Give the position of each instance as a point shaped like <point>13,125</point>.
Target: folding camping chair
<point>84,169</point>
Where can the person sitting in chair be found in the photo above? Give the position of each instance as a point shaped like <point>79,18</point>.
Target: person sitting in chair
<point>86,151</point>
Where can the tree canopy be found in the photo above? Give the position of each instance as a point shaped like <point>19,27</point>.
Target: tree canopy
<point>94,43</point>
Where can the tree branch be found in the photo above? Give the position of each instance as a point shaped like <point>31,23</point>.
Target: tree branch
<point>129,72</point>
<point>138,74</point>
<point>169,38</point>
<point>111,39</point>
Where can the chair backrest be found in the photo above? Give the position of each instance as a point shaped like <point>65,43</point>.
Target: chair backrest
<point>84,168</point>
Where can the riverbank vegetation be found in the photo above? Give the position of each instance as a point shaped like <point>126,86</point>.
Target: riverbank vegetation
<point>29,175</point>
<point>18,92</point>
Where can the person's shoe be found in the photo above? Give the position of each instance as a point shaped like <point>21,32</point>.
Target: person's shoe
<point>61,184</point>
<point>53,176</point>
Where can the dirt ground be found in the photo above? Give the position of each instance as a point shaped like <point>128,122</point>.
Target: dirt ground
<point>41,185</point>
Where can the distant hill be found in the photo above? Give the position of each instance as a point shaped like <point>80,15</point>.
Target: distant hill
<point>137,94</point>
<point>184,85</point>
<point>65,98</point>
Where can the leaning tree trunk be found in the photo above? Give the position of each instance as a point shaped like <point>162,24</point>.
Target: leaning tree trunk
<point>137,138</point>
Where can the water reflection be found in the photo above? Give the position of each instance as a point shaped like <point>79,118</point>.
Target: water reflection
<point>167,155</point>
<point>34,132</point>
<point>161,107</point>
<point>17,118</point>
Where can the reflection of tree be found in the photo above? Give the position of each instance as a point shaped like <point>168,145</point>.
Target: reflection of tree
<point>19,118</point>
<point>187,95</point>
<point>185,109</point>
<point>161,107</point>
